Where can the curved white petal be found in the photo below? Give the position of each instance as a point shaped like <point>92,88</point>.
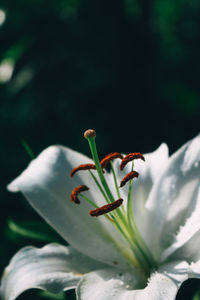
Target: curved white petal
<point>47,186</point>
<point>173,196</point>
<point>110,284</point>
<point>54,268</point>
<point>186,242</point>
<point>149,171</point>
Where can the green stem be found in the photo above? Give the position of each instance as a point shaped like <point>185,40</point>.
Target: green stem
<point>88,200</point>
<point>138,256</point>
<point>99,186</point>
<point>116,185</point>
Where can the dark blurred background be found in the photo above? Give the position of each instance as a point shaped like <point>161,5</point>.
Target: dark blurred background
<point>127,68</point>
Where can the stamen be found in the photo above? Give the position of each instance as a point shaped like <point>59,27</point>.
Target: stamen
<point>77,190</point>
<point>109,158</point>
<point>83,167</point>
<point>130,157</point>
<point>129,176</point>
<point>106,208</point>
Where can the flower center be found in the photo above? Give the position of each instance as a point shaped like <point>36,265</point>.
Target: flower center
<point>114,210</point>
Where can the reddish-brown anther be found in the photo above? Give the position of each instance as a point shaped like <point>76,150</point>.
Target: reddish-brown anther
<point>129,176</point>
<point>83,167</point>
<point>109,158</point>
<point>77,190</point>
<point>106,208</point>
<point>130,157</point>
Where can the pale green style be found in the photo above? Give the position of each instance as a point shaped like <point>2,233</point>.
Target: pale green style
<point>143,250</point>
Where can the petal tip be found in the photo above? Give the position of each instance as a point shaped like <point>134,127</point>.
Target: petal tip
<point>12,187</point>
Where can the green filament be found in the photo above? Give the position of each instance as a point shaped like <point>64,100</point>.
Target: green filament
<point>95,157</point>
<point>99,186</point>
<point>115,179</point>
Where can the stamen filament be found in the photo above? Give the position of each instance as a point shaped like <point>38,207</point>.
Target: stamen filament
<point>133,259</point>
<point>116,186</point>
<point>137,255</point>
<point>129,200</point>
<point>136,235</point>
<point>89,201</point>
<point>115,180</point>
<point>99,186</point>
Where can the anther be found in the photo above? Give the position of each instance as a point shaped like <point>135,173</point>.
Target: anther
<point>77,190</point>
<point>90,133</point>
<point>83,167</point>
<point>130,157</point>
<point>109,158</point>
<point>129,176</point>
<point>106,208</point>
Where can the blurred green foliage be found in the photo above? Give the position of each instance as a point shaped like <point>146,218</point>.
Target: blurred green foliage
<point>128,68</point>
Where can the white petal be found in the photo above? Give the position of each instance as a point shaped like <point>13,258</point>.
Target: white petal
<point>110,284</point>
<point>54,268</point>
<point>47,186</point>
<point>173,196</point>
<point>186,242</point>
<point>194,271</point>
<point>149,171</point>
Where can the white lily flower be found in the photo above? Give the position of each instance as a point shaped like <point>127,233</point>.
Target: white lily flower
<point>139,241</point>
